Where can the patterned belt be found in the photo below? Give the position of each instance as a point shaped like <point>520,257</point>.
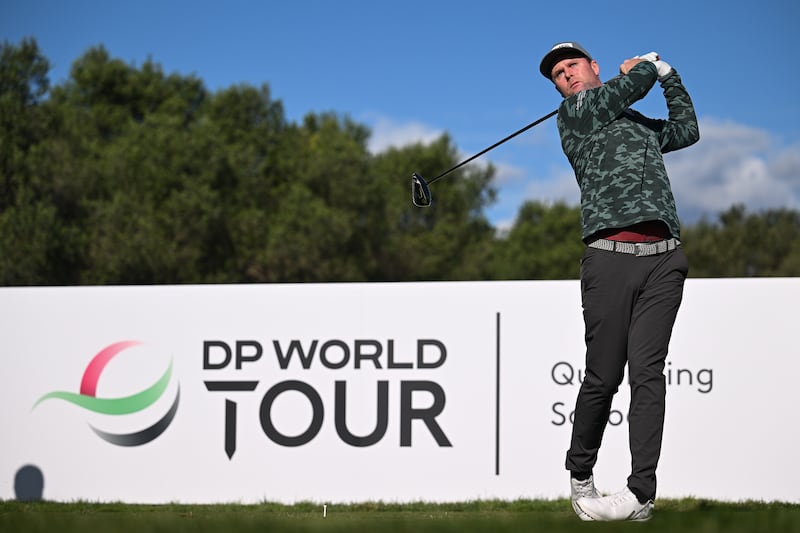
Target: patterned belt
<point>639,249</point>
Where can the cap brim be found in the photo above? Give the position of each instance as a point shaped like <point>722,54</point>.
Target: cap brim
<point>554,56</point>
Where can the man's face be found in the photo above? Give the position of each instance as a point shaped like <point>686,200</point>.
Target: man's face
<point>573,75</point>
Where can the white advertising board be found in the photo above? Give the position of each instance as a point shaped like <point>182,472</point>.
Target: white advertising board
<point>392,391</point>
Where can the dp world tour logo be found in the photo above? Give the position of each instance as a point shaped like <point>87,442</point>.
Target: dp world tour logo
<point>87,398</point>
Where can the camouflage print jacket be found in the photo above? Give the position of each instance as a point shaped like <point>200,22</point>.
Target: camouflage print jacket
<point>617,152</point>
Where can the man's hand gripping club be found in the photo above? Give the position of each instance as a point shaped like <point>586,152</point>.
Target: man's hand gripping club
<point>662,67</point>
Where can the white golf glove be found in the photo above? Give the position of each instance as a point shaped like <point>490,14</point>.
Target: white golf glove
<point>662,67</point>
<point>652,56</point>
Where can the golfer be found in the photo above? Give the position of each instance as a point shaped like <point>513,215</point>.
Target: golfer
<point>633,269</point>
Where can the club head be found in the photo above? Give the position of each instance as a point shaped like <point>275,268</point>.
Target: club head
<point>420,193</point>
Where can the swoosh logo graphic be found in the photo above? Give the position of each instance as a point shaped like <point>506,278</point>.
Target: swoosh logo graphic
<point>88,400</point>
<point>144,436</point>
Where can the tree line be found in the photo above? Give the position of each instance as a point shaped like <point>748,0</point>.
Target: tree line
<point>128,175</point>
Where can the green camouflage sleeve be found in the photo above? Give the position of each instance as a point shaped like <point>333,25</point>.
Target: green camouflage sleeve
<point>681,130</point>
<point>587,112</point>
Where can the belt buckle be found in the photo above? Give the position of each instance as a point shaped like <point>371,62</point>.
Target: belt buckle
<point>640,248</point>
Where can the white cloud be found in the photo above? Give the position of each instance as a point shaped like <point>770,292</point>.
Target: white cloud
<point>734,164</point>
<point>387,133</point>
<point>731,164</point>
<point>506,173</point>
<point>559,186</point>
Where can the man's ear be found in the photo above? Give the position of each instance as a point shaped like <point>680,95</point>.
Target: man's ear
<point>595,68</point>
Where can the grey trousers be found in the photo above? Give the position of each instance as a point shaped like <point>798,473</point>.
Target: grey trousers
<point>629,307</point>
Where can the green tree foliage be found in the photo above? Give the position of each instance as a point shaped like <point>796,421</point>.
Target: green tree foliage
<point>127,159</point>
<point>763,244</point>
<point>452,239</point>
<point>303,221</point>
<point>23,85</point>
<point>30,233</point>
<point>544,243</point>
<point>124,174</point>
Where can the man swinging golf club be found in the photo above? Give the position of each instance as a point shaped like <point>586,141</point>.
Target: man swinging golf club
<point>633,269</point>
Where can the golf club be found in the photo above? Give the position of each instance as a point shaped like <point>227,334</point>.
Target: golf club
<point>420,190</point>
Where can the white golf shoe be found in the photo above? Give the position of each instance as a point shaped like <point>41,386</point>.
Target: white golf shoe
<point>620,506</point>
<point>582,489</point>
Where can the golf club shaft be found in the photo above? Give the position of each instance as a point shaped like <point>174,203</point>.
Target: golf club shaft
<point>495,145</point>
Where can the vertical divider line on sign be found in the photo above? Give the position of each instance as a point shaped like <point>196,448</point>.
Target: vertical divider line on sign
<point>497,399</point>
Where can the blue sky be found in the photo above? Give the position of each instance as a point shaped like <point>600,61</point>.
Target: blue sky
<point>413,70</point>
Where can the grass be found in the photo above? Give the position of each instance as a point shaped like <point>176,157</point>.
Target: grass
<point>686,515</point>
